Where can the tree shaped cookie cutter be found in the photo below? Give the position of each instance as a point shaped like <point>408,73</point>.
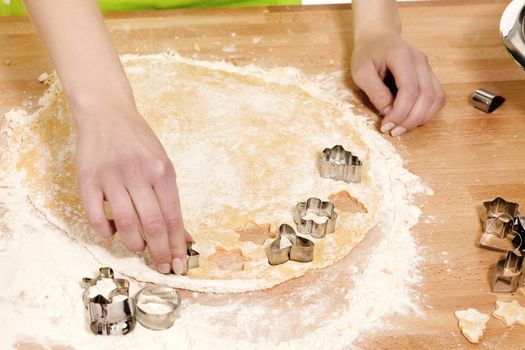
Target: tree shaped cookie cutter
<point>108,317</point>
<point>340,165</point>
<point>324,211</point>
<point>498,225</point>
<point>507,275</point>
<point>289,246</point>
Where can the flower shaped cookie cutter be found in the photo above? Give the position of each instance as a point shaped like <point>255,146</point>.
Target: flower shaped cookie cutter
<point>107,315</point>
<point>315,217</point>
<point>289,246</point>
<point>340,165</point>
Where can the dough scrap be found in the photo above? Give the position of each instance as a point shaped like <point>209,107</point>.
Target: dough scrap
<point>255,233</point>
<point>232,260</point>
<point>343,201</point>
<point>510,313</point>
<point>472,323</point>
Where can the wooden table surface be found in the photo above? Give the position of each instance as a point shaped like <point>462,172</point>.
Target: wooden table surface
<point>465,155</point>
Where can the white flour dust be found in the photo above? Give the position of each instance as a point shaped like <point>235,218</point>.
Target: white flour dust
<point>41,269</point>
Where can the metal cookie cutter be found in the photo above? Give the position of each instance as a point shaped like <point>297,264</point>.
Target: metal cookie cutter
<point>485,100</point>
<point>519,231</point>
<point>157,307</point>
<point>340,165</point>
<point>498,227</point>
<point>109,317</point>
<point>193,258</point>
<point>507,274</point>
<point>289,246</point>
<point>316,207</point>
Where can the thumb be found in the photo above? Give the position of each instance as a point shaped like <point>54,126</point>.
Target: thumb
<point>368,80</point>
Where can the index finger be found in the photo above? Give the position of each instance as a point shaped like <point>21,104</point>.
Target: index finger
<point>403,69</point>
<point>153,225</point>
<point>168,197</point>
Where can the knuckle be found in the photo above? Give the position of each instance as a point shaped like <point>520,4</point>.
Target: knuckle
<point>162,168</point>
<point>153,226</point>
<point>411,93</point>
<point>441,98</point>
<point>124,221</point>
<point>173,222</point>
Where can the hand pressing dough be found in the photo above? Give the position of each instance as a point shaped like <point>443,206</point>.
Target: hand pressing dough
<point>509,313</point>
<point>472,323</point>
<point>244,143</point>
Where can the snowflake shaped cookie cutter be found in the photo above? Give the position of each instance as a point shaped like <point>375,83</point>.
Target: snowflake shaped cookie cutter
<point>306,213</point>
<point>340,165</point>
<point>107,316</point>
<point>289,246</point>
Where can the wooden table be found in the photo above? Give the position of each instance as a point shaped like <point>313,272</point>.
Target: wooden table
<point>465,155</point>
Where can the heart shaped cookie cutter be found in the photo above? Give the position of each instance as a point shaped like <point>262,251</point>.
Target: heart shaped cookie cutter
<point>315,217</point>
<point>289,246</point>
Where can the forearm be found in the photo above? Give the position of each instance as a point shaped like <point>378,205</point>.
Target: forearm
<point>374,15</point>
<point>75,36</point>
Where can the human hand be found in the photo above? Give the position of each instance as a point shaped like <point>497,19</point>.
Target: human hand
<point>420,95</point>
<point>122,161</point>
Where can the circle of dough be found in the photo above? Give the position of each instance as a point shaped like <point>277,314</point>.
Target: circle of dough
<point>245,144</point>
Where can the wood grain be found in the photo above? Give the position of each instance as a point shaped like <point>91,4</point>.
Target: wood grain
<point>465,155</point>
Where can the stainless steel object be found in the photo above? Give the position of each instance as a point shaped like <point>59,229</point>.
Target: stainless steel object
<point>318,208</point>
<point>507,275</point>
<point>157,307</point>
<point>340,165</point>
<point>512,30</point>
<point>109,316</point>
<point>485,100</point>
<point>193,258</point>
<point>498,227</point>
<point>293,247</point>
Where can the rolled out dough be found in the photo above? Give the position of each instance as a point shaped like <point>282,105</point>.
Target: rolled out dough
<point>245,143</point>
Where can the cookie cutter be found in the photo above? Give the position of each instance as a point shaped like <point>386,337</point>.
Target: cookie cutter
<point>340,165</point>
<point>316,207</point>
<point>498,225</point>
<point>289,246</point>
<point>108,317</point>
<point>193,258</point>
<point>485,100</point>
<point>519,231</point>
<point>157,307</point>
<point>507,274</point>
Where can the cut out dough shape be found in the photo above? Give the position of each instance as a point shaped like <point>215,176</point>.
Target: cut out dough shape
<point>472,323</point>
<point>343,201</point>
<point>509,313</point>
<point>255,233</point>
<point>244,143</point>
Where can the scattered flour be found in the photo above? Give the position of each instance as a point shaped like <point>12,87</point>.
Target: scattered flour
<point>40,270</point>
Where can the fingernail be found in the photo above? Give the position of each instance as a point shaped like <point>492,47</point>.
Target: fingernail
<point>398,131</point>
<point>387,127</point>
<point>164,268</point>
<point>178,266</point>
<point>387,109</point>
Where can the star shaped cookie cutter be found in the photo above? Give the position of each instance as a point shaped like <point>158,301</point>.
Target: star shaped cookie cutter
<point>507,275</point>
<point>107,316</point>
<point>340,165</point>
<point>499,221</point>
<point>289,246</point>
<point>316,208</point>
